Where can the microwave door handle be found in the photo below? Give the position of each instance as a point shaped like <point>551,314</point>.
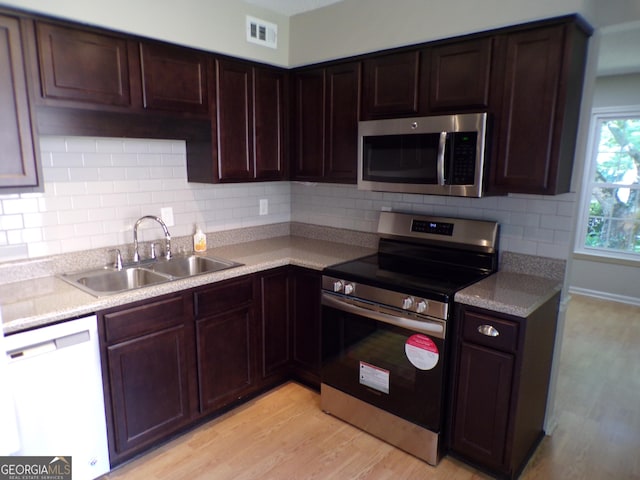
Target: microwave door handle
<point>440,161</point>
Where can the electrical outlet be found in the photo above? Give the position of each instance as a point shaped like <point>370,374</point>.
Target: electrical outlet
<point>166,213</point>
<point>264,206</point>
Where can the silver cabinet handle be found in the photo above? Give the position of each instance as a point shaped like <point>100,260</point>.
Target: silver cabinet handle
<point>488,330</point>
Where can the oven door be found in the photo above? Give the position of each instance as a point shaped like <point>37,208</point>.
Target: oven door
<point>391,362</point>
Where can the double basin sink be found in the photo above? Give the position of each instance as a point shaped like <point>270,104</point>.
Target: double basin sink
<point>109,280</point>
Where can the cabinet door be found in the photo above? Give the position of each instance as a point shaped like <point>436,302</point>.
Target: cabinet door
<point>234,110</point>
<point>19,149</point>
<point>460,75</point>
<point>275,324</point>
<point>341,149</point>
<point>174,78</point>
<point>391,85</point>
<point>225,351</point>
<point>538,110</point>
<point>306,324</point>
<point>482,404</point>
<point>268,123</point>
<point>308,162</point>
<point>83,66</point>
<point>149,387</point>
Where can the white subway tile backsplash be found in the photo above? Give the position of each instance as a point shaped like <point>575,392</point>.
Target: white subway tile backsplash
<point>96,188</point>
<point>137,146</point>
<point>530,224</point>
<point>11,222</point>
<point>103,145</point>
<point>65,159</point>
<point>71,217</point>
<point>17,206</point>
<point>124,159</point>
<point>86,174</point>
<point>80,144</point>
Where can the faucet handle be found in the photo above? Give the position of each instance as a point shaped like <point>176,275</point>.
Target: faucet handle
<point>153,251</point>
<point>118,262</point>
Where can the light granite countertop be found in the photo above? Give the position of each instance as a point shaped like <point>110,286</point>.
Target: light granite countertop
<point>41,301</point>
<point>512,293</point>
<point>44,298</point>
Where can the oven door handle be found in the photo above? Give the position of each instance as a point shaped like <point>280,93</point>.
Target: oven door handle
<point>434,328</point>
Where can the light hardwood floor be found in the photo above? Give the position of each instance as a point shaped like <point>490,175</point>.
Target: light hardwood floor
<point>284,435</point>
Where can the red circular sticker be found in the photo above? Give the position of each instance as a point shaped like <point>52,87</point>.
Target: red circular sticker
<point>421,351</point>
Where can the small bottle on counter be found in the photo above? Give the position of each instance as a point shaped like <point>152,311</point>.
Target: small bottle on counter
<point>199,240</point>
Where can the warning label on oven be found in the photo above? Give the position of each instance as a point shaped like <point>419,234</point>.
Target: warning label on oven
<point>374,377</point>
<point>421,352</point>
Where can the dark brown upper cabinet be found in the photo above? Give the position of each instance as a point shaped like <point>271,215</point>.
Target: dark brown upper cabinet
<point>234,104</point>
<point>269,106</point>
<point>85,66</point>
<point>460,74</point>
<point>249,122</point>
<point>536,104</point>
<point>308,158</point>
<point>174,78</point>
<point>327,103</point>
<point>391,85</point>
<point>19,148</point>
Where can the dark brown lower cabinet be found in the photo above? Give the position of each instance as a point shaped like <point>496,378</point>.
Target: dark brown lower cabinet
<point>148,348</point>
<point>170,361</point>
<point>306,356</point>
<point>502,370</point>
<point>225,339</point>
<point>225,358</point>
<point>275,323</point>
<point>290,320</point>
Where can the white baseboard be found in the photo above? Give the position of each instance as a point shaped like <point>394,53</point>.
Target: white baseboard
<point>605,295</point>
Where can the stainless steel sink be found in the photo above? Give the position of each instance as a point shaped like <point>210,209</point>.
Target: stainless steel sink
<point>107,281</point>
<point>190,265</point>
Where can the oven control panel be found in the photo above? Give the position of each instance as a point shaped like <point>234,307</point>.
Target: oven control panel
<point>390,298</point>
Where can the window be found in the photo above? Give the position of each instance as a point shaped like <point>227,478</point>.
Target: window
<point>610,214</point>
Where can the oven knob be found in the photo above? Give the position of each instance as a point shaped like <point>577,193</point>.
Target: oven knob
<point>349,288</point>
<point>407,303</point>
<point>337,286</point>
<point>422,306</point>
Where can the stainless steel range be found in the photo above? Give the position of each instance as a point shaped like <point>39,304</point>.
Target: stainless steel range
<point>384,326</point>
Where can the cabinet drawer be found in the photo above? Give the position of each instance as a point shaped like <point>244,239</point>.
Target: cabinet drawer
<point>222,297</point>
<point>490,331</point>
<point>137,321</point>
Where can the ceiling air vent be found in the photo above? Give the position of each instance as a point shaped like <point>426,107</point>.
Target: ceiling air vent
<point>261,32</point>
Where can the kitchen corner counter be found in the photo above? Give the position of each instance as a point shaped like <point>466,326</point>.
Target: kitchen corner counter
<point>41,301</point>
<point>510,293</point>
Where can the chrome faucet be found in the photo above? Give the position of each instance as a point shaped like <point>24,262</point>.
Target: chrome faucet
<point>167,237</point>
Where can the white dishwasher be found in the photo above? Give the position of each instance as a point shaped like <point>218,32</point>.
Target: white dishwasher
<point>56,383</point>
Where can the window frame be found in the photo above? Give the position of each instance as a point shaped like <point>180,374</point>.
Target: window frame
<point>598,115</point>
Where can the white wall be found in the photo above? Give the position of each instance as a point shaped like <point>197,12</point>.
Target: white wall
<point>217,26</point>
<point>96,188</point>
<point>598,276</point>
<point>353,27</point>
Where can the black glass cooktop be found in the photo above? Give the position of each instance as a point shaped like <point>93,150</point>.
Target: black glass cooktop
<point>413,276</point>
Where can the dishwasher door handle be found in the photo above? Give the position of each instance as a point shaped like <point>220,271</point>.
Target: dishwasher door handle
<point>33,350</point>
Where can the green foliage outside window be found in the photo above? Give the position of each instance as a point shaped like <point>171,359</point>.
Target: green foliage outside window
<point>614,209</point>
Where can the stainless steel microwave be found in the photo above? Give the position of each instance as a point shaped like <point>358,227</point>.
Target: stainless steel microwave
<point>438,155</point>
